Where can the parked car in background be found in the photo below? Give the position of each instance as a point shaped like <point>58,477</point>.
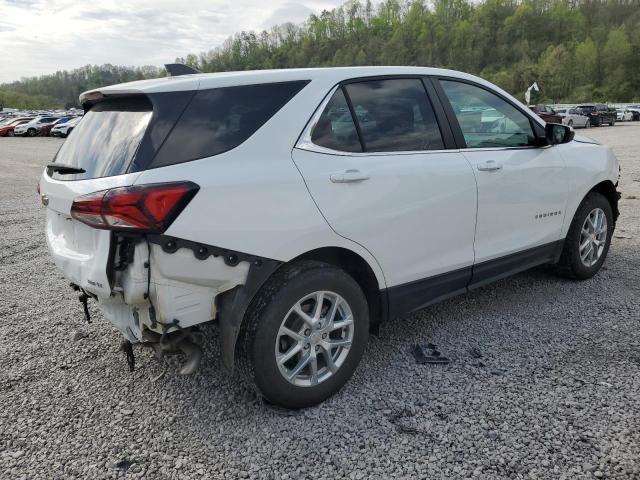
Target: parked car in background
<point>35,126</point>
<point>624,115</point>
<point>285,204</point>
<point>573,118</point>
<point>599,114</point>
<point>546,113</point>
<point>635,111</point>
<point>63,129</point>
<point>7,128</point>
<point>45,130</point>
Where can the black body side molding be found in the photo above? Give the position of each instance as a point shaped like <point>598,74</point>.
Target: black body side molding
<point>412,296</point>
<point>419,294</point>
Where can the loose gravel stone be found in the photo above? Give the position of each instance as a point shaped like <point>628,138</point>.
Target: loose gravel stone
<point>555,395</point>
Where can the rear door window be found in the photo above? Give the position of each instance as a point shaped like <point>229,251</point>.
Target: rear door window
<point>106,140</point>
<point>394,115</point>
<point>217,120</point>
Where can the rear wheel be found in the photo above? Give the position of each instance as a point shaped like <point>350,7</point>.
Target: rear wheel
<point>31,132</point>
<point>303,334</point>
<point>11,134</point>
<point>587,123</point>
<point>588,240</point>
<point>570,123</point>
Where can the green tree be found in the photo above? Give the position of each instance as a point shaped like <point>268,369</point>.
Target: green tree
<point>577,50</point>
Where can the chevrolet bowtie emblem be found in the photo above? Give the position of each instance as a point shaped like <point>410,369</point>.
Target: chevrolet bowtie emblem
<point>44,199</point>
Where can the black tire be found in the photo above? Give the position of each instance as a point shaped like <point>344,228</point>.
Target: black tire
<point>11,134</point>
<point>570,123</point>
<point>570,264</point>
<point>612,123</point>
<point>587,124</point>
<point>255,348</point>
<point>32,132</point>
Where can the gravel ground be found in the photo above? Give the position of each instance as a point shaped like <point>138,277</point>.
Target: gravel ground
<point>544,380</point>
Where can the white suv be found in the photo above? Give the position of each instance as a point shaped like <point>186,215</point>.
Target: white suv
<point>302,208</point>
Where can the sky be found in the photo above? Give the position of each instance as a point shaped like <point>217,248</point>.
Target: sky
<point>42,36</point>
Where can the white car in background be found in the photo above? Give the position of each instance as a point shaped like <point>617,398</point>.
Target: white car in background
<point>34,127</point>
<point>624,115</point>
<point>301,208</point>
<point>573,118</point>
<point>64,129</point>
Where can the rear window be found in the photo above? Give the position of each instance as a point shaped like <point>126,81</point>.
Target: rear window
<point>106,140</point>
<point>135,133</point>
<point>220,119</point>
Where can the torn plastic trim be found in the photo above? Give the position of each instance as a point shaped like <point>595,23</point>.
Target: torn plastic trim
<point>202,251</point>
<point>232,304</point>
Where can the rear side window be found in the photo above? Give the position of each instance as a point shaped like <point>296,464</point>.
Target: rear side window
<point>486,120</point>
<point>217,120</point>
<point>106,140</point>
<point>394,115</point>
<point>335,128</point>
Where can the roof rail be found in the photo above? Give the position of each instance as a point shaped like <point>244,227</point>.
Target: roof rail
<point>177,69</point>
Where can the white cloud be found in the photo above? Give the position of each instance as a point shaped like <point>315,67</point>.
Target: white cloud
<point>43,36</point>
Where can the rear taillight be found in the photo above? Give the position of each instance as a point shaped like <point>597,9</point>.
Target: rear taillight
<point>139,208</point>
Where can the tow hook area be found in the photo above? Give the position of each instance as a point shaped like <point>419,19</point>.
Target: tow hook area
<point>168,344</point>
<point>183,341</point>
<point>83,298</point>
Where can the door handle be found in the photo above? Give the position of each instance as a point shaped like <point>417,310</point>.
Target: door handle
<point>349,176</point>
<point>489,166</point>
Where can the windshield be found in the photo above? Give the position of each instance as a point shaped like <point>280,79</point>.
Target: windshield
<point>104,143</point>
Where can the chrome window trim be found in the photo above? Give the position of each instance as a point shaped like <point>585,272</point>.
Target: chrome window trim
<point>305,143</point>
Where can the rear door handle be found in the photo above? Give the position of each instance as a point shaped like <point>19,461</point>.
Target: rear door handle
<point>489,166</point>
<point>349,176</point>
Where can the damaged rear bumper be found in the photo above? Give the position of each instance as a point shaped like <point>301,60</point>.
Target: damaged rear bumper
<point>162,286</point>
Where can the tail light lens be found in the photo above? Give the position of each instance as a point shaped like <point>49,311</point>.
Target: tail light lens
<point>139,208</point>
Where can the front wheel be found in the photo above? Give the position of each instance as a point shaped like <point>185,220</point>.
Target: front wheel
<point>570,123</point>
<point>303,334</point>
<point>588,240</point>
<point>587,124</point>
<point>31,132</point>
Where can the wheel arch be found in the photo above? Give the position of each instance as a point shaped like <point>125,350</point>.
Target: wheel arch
<point>362,273</point>
<point>232,305</point>
<point>608,190</point>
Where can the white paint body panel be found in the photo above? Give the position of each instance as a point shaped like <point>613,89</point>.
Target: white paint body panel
<point>530,182</point>
<point>80,251</point>
<point>586,165</point>
<point>416,213</point>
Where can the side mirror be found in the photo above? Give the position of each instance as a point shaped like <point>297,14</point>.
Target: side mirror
<point>557,133</point>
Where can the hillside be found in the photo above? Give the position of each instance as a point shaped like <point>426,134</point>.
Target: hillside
<point>577,50</point>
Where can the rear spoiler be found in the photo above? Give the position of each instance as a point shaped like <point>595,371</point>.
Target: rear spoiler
<point>93,96</point>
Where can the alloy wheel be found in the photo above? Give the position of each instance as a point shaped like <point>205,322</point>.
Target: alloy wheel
<point>314,338</point>
<point>593,237</point>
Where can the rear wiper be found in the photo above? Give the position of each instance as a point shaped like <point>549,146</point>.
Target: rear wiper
<point>63,169</point>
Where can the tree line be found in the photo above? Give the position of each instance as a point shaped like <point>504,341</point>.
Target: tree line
<point>63,88</point>
<point>576,50</point>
